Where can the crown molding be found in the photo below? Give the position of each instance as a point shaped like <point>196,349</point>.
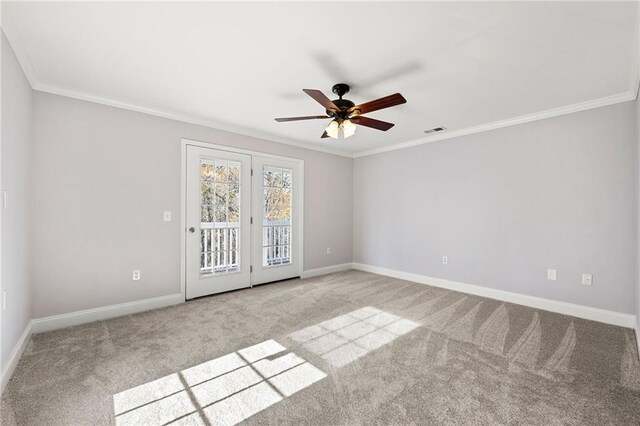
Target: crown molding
<point>185,119</point>
<point>541,115</point>
<point>550,113</point>
<point>12,33</point>
<point>628,96</point>
<point>635,54</point>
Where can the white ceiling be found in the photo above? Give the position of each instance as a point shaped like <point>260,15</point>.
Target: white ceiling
<point>236,66</point>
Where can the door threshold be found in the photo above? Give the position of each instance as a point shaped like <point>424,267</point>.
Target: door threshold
<point>217,294</point>
<point>241,289</point>
<point>276,281</point>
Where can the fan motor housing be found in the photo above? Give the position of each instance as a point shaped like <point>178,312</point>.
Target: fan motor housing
<point>343,104</point>
<point>341,89</point>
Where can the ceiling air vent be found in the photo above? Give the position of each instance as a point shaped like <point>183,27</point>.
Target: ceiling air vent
<point>436,129</point>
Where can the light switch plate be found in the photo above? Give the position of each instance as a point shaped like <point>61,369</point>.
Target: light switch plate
<point>552,274</point>
<point>587,279</point>
<point>167,216</point>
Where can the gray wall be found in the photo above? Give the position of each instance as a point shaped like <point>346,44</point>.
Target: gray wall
<point>505,205</point>
<point>16,171</point>
<point>637,212</point>
<point>102,178</point>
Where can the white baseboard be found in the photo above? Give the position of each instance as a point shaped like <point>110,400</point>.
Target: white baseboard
<point>81,317</point>
<point>637,333</point>
<point>580,311</point>
<point>56,322</point>
<point>15,355</point>
<point>326,270</point>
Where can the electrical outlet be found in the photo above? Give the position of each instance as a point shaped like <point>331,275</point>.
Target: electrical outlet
<point>136,275</point>
<point>328,250</point>
<point>445,260</point>
<point>587,279</point>
<point>552,274</point>
<point>167,216</point>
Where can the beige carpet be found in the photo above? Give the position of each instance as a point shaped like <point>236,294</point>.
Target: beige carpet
<point>349,348</point>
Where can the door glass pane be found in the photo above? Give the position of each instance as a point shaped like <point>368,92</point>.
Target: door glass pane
<point>276,221</point>
<point>220,219</point>
<point>222,168</point>
<point>234,172</point>
<point>234,203</point>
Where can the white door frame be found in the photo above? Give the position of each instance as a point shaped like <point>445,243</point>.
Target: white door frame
<point>183,201</point>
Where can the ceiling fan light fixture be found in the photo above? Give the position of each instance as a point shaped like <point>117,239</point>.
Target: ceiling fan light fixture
<point>348,128</point>
<point>332,129</point>
<point>345,114</point>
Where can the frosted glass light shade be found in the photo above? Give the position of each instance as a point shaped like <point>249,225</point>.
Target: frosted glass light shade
<point>332,129</point>
<point>348,128</point>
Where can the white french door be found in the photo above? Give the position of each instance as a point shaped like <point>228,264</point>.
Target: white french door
<point>218,221</point>
<point>242,228</point>
<point>276,213</point>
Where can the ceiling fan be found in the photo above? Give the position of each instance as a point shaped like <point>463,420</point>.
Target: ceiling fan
<point>346,114</point>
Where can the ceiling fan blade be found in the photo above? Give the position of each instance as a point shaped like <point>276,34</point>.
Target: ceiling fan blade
<point>324,135</point>
<point>373,123</point>
<point>386,102</point>
<point>309,117</point>
<point>321,99</point>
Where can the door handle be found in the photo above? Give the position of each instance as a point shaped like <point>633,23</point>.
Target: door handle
<point>192,229</point>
